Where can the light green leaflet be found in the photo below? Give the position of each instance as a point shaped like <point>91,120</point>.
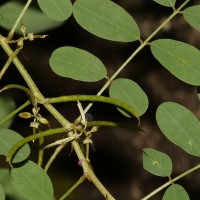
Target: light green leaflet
<point>156,162</point>
<point>8,186</point>
<point>180,126</point>
<point>192,16</point>
<point>58,10</point>
<point>181,59</point>
<point>32,182</point>
<point>7,139</point>
<point>131,93</point>
<point>78,64</point>
<point>106,19</point>
<point>175,192</point>
<point>7,105</point>
<point>168,3</point>
<point>34,20</point>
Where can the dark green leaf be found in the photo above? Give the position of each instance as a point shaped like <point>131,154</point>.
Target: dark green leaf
<point>131,93</point>
<point>168,3</point>
<point>181,59</point>
<point>175,192</point>
<point>192,16</point>
<point>32,182</point>
<point>7,105</point>
<point>180,126</point>
<point>58,10</point>
<point>77,64</point>
<point>106,19</point>
<point>2,194</point>
<point>9,190</point>
<point>156,162</point>
<point>7,139</point>
<point>34,20</point>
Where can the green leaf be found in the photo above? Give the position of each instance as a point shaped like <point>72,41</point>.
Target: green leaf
<point>31,181</point>
<point>181,59</point>
<point>192,16</point>
<point>78,64</point>
<point>106,19</point>
<point>180,126</point>
<point>131,93</point>
<point>168,3</point>
<point>7,105</point>
<point>58,10</point>
<point>156,162</point>
<point>2,194</point>
<point>8,186</point>
<point>7,139</point>
<point>175,192</point>
<point>34,20</point>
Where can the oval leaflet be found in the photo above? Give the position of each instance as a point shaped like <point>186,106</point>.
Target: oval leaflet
<point>58,10</point>
<point>106,20</point>
<point>131,93</point>
<point>12,9</point>
<point>180,126</point>
<point>181,59</point>
<point>78,64</point>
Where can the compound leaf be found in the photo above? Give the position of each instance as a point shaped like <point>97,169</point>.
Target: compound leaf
<point>180,126</point>
<point>131,93</point>
<point>34,20</point>
<point>7,105</point>
<point>175,192</point>
<point>168,3</point>
<point>77,64</point>
<point>192,16</point>
<point>106,19</point>
<point>58,10</point>
<point>32,182</point>
<point>181,59</point>
<point>156,162</point>
<point>7,139</point>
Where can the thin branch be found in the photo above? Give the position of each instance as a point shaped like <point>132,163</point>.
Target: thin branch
<point>171,181</point>
<point>80,180</point>
<point>8,62</point>
<point>13,113</point>
<point>12,32</point>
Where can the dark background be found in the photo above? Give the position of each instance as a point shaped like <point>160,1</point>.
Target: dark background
<point>117,155</point>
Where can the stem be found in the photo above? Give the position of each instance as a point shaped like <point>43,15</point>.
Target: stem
<point>171,181</point>
<point>112,124</point>
<point>15,112</point>
<point>12,32</point>
<point>104,99</point>
<point>9,61</point>
<point>20,87</point>
<point>60,118</point>
<point>143,44</point>
<point>30,138</point>
<point>80,180</point>
<point>50,161</point>
<point>41,151</point>
<point>35,91</point>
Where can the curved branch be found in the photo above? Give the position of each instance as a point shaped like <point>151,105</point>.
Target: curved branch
<point>95,98</point>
